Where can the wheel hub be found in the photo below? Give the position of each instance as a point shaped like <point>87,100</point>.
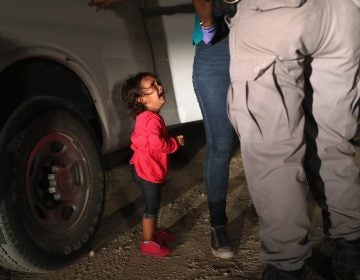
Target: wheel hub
<point>60,183</point>
<point>57,181</point>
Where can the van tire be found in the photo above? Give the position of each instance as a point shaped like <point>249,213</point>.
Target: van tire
<point>52,184</point>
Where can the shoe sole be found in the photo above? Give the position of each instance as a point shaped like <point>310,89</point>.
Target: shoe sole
<point>222,255</point>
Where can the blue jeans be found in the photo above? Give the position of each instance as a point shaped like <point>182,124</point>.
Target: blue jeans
<point>151,194</point>
<point>211,80</point>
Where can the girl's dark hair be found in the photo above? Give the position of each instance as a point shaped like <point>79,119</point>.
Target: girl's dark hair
<point>131,92</point>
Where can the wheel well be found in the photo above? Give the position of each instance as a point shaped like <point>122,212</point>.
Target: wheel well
<point>39,77</point>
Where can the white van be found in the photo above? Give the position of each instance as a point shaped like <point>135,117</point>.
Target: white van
<point>62,64</point>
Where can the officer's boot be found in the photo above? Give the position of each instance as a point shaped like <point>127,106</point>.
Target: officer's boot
<point>346,261</point>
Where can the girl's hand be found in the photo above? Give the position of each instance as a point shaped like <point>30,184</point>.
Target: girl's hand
<point>180,140</point>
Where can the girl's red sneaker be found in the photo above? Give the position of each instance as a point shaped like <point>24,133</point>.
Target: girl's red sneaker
<point>153,248</point>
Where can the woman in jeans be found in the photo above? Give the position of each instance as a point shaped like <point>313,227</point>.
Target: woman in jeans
<point>211,81</point>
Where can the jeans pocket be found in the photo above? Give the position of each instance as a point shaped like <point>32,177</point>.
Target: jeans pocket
<point>267,5</point>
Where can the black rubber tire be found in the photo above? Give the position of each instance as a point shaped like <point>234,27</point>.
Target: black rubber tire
<point>53,186</point>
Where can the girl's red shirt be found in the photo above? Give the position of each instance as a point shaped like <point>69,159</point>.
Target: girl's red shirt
<point>151,145</point>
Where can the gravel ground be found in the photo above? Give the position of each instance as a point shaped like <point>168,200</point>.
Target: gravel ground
<point>184,212</point>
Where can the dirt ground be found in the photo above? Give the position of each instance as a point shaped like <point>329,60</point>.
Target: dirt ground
<point>115,252</point>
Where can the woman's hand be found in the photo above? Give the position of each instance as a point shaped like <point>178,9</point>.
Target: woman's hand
<point>204,9</point>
